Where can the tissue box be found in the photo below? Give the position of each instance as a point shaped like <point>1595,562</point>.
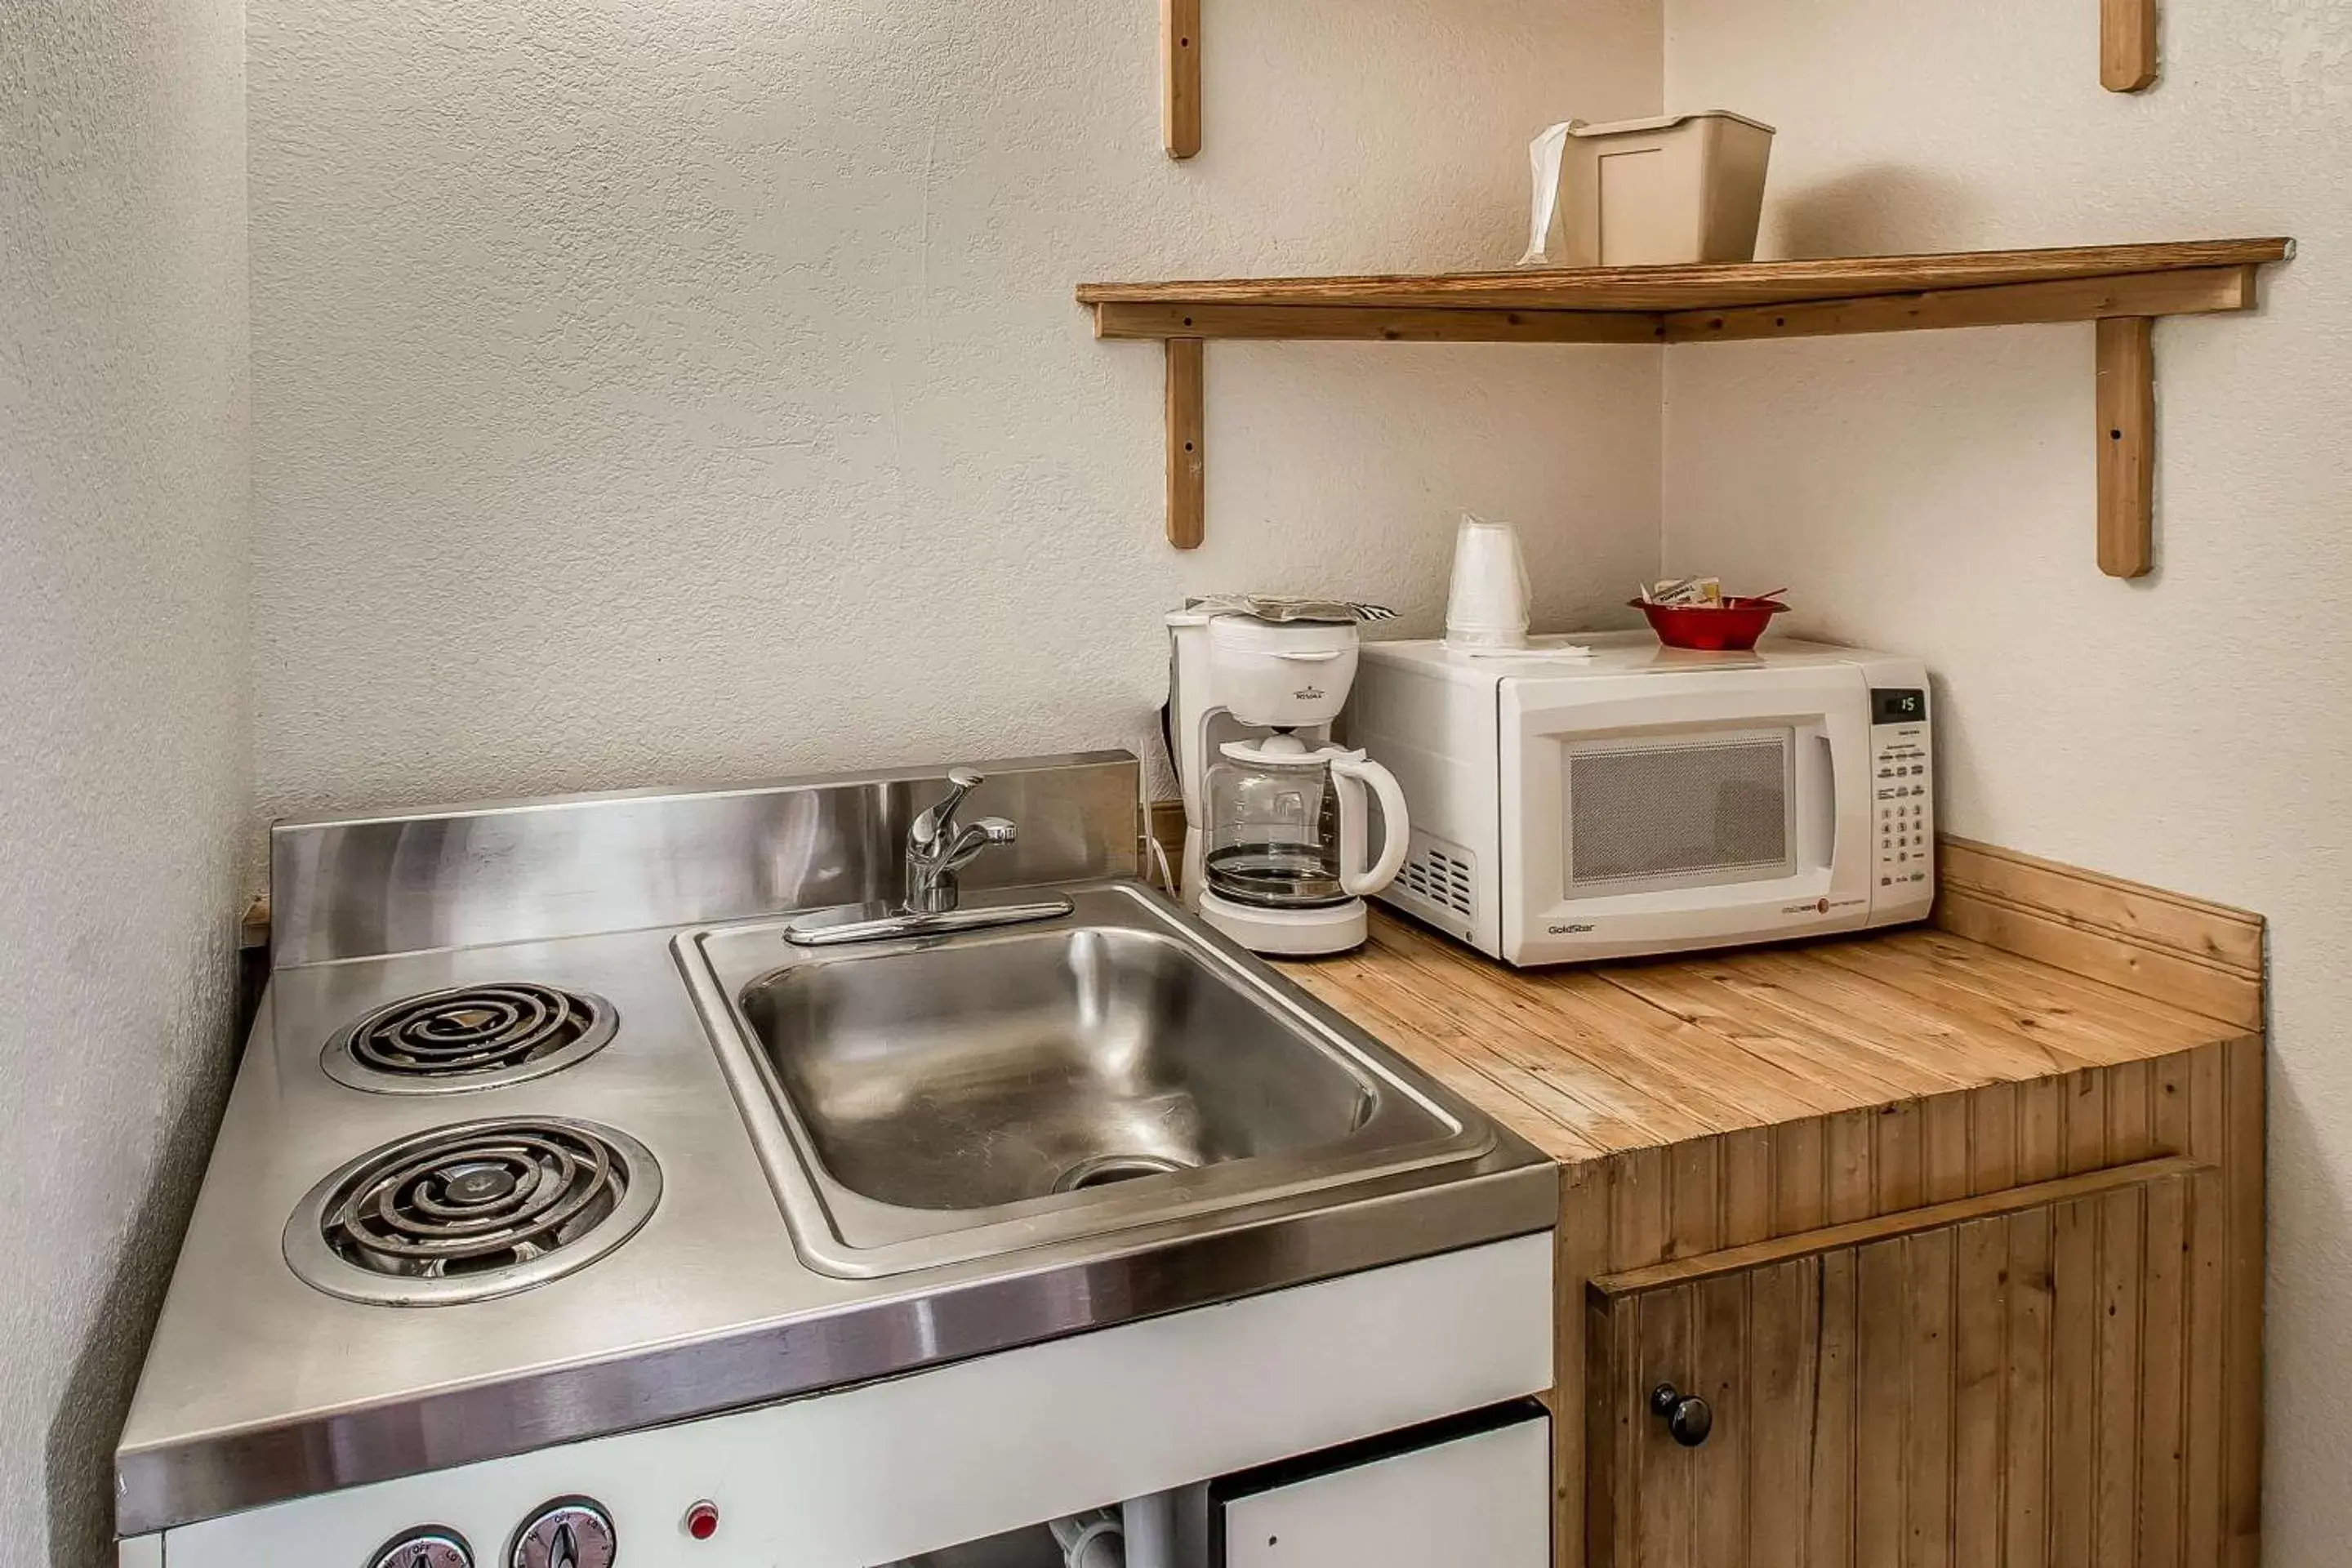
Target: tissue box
<point>1649,192</point>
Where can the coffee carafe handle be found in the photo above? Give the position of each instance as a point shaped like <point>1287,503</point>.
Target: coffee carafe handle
<point>1351,774</point>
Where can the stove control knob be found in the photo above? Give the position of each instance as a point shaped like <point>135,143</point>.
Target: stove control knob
<point>434,1546</point>
<point>570,1533</point>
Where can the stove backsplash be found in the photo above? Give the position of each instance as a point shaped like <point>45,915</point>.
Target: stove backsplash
<point>533,870</point>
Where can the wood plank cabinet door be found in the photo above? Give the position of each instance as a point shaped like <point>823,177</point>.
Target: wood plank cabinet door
<point>2010,1381</point>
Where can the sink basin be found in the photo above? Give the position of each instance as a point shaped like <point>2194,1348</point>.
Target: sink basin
<point>930,1101</point>
<point>970,1076</point>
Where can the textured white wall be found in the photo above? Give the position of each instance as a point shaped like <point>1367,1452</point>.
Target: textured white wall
<point>670,390</point>
<point>123,721</point>
<point>1934,494</point>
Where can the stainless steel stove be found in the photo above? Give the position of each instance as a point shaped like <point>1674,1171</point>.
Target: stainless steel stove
<point>375,1283</point>
<point>483,1188</point>
<point>476,1209</point>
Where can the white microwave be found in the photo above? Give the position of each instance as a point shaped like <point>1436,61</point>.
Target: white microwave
<point>1649,800</point>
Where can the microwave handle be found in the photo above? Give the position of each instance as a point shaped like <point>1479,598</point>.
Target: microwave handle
<point>1351,774</point>
<point>1818,788</point>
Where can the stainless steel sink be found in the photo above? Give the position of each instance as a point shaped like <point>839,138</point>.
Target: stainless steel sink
<point>935,1100</point>
<point>970,1076</point>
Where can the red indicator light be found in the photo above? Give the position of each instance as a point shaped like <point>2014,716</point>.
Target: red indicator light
<point>702,1520</point>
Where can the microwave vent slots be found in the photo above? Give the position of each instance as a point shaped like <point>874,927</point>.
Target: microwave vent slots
<point>1439,873</point>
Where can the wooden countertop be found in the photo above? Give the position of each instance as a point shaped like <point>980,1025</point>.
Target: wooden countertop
<point>1598,1060</point>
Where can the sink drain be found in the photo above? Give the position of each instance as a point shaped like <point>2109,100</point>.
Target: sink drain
<point>1104,1169</point>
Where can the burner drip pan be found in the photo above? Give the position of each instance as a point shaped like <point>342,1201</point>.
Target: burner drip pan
<point>472,1212</point>
<point>469,1038</point>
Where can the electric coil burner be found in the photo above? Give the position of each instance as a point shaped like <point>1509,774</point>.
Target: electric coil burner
<point>472,1037</point>
<point>471,1212</point>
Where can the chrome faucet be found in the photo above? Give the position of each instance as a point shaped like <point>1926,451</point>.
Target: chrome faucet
<point>936,848</point>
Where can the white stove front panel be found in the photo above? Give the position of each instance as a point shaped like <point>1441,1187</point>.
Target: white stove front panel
<point>890,1469</point>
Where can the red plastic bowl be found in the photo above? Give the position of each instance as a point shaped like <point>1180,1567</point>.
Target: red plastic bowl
<point>1733,626</point>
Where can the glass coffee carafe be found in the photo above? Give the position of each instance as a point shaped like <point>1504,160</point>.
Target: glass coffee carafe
<point>1287,825</point>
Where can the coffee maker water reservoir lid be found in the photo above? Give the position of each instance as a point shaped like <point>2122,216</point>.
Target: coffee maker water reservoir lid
<point>1280,750</point>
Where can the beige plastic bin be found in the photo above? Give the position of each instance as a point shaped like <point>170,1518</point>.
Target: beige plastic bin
<point>1648,192</point>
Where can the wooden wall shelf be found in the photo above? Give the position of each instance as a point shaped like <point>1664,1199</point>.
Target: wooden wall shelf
<point>2123,286</point>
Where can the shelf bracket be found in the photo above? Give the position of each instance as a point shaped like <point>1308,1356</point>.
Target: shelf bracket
<point>1179,77</point>
<point>1187,443</point>
<point>2126,401</point>
<point>2127,45</point>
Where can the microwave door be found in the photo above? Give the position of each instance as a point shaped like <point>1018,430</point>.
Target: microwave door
<point>1712,810</point>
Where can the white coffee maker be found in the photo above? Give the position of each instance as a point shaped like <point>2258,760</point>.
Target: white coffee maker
<point>1277,817</point>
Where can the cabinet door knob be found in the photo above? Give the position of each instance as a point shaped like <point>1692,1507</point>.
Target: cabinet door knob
<point>1688,1417</point>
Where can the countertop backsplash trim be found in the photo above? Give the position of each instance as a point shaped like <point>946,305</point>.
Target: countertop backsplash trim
<point>362,887</point>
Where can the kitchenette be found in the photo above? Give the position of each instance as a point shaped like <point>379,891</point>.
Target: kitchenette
<point>927,784</point>
<point>579,1201</point>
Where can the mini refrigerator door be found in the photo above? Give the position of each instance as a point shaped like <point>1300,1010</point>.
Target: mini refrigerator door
<point>1472,1491</point>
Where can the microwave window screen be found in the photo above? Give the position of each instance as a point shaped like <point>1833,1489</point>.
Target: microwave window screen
<point>1679,812</point>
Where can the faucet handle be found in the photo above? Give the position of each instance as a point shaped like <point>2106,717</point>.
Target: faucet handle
<point>931,825</point>
<point>979,835</point>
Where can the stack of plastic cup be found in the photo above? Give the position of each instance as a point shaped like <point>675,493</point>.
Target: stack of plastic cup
<point>1488,605</point>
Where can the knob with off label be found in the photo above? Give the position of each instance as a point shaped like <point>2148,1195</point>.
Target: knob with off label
<point>430,1546</point>
<point>570,1533</point>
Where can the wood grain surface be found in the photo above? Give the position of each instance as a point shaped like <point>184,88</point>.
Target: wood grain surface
<point>2200,956</point>
<point>1999,1203</point>
<point>2198,291</point>
<point>2127,446</point>
<point>2123,287</point>
<point>1188,443</point>
<point>1701,287</point>
<point>1602,1059</point>
<point>2068,1375</point>
<point>2128,38</point>
<point>1144,320</point>
<point>2075,1371</point>
<point>1959,1396</point>
<point>1180,77</point>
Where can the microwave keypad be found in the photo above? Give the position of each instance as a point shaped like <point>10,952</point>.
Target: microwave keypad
<point>1906,828</point>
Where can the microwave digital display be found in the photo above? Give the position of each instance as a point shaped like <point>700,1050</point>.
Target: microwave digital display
<point>1897,705</point>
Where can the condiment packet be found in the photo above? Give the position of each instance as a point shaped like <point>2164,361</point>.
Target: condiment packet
<point>1685,590</point>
